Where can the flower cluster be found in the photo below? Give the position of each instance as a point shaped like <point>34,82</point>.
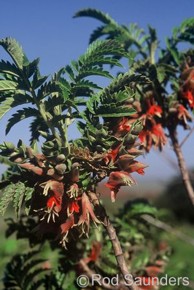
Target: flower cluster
<point>62,185</point>
<point>150,114</point>
<point>121,159</point>
<point>187,87</point>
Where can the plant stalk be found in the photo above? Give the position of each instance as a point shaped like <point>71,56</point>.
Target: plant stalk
<point>182,164</point>
<point>118,252</point>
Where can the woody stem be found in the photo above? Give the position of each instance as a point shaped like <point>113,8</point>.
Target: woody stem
<point>115,243</point>
<point>182,164</point>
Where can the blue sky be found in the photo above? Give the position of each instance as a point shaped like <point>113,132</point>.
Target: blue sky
<point>47,30</point>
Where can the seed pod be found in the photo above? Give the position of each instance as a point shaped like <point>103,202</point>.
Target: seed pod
<point>51,172</point>
<point>60,158</point>
<point>60,168</point>
<point>14,156</point>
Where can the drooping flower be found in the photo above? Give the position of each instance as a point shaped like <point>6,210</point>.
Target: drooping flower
<point>154,136</point>
<point>136,166</point>
<point>87,213</point>
<point>189,96</point>
<point>111,156</point>
<point>116,180</point>
<point>183,114</point>
<point>55,186</point>
<point>73,191</point>
<point>158,131</point>
<point>65,227</point>
<point>53,201</point>
<point>128,164</point>
<point>124,125</point>
<point>73,207</point>
<point>51,210</point>
<point>154,110</point>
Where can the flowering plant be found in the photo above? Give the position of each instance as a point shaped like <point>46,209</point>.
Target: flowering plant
<point>55,180</point>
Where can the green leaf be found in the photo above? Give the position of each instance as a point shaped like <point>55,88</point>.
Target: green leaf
<point>111,112</point>
<point>141,259</point>
<point>93,71</point>
<point>97,51</point>
<point>50,88</point>
<point>31,68</point>
<point>70,72</point>
<point>14,50</point>
<point>120,83</point>
<point>8,68</point>
<point>6,85</point>
<point>97,33</point>
<point>38,80</point>
<point>6,198</point>
<point>174,51</point>
<point>19,116</point>
<point>140,208</point>
<point>17,194</point>
<point>6,106</point>
<point>97,14</point>
<point>22,271</point>
<point>37,126</point>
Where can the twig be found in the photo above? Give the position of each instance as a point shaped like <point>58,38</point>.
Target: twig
<point>182,164</point>
<point>91,274</point>
<point>169,229</point>
<point>186,137</point>
<point>115,242</point>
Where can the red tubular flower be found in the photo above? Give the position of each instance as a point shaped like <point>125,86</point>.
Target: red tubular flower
<point>138,167</point>
<point>87,212</point>
<point>189,96</point>
<point>53,207</point>
<point>73,207</point>
<point>111,156</point>
<point>154,136</point>
<point>154,110</point>
<point>158,131</point>
<point>124,125</point>
<point>116,180</point>
<point>183,113</point>
<point>65,227</point>
<point>127,164</point>
<point>53,201</point>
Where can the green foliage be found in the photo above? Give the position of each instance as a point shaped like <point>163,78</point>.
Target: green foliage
<point>16,193</point>
<point>22,271</point>
<point>15,51</point>
<point>112,30</point>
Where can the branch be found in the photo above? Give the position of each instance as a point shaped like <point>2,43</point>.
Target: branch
<point>169,229</point>
<point>182,164</point>
<point>187,137</point>
<point>91,274</point>
<point>114,240</point>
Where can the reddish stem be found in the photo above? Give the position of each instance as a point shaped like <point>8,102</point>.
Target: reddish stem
<point>115,243</point>
<point>182,164</point>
